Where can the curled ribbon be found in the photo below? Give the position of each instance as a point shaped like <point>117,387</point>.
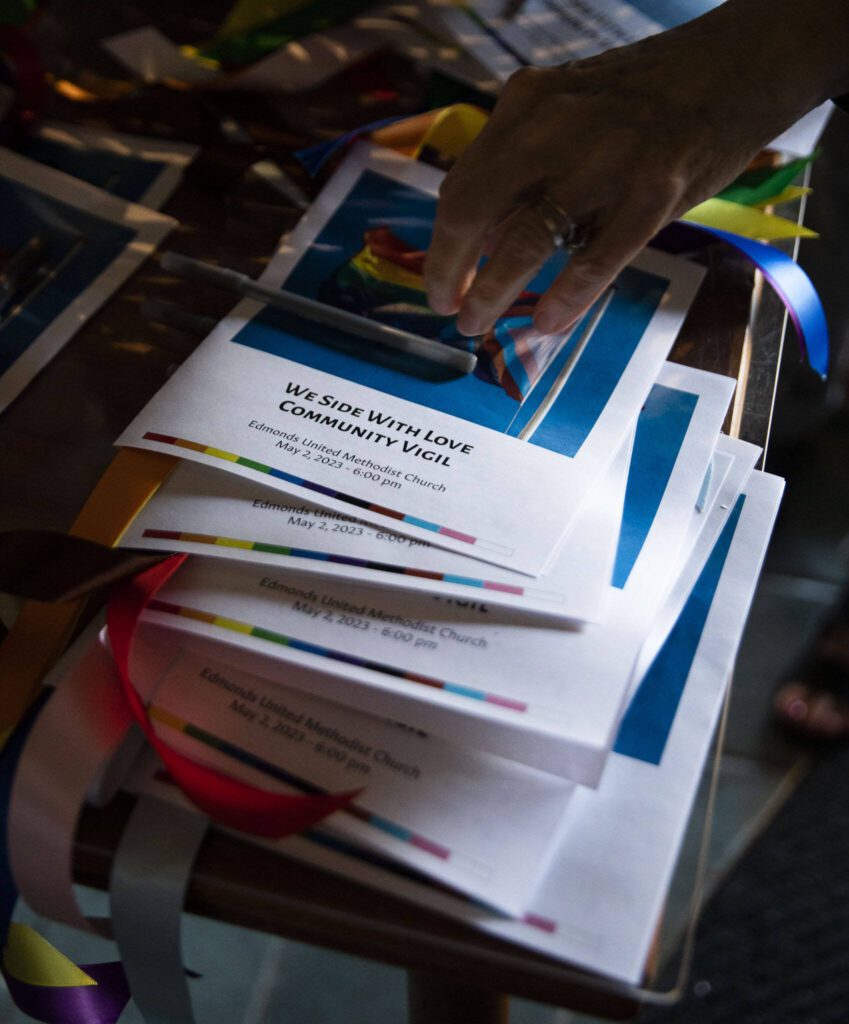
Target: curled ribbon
<point>793,287</point>
<point>64,993</point>
<point>42,982</point>
<point>227,801</point>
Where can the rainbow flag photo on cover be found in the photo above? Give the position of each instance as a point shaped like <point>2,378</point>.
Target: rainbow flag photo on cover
<point>368,259</point>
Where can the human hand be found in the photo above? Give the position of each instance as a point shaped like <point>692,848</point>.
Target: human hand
<point>623,143</point>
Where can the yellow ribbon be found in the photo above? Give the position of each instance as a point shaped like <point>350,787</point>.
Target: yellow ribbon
<point>786,195</point>
<point>250,14</point>
<point>745,220</point>
<point>31,959</point>
<point>42,631</point>
<point>450,130</point>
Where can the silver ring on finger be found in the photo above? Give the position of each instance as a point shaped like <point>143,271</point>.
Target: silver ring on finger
<point>564,230</point>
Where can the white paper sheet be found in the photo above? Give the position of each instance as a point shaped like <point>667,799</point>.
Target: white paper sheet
<point>474,674</point>
<point>736,459</point>
<point>600,902</point>
<point>438,464</point>
<point>94,242</point>
<point>801,138</point>
<point>719,467</point>
<point>543,32</point>
<point>467,819</point>
<point>740,458</point>
<point>173,157</point>
<point>154,58</point>
<point>228,515</point>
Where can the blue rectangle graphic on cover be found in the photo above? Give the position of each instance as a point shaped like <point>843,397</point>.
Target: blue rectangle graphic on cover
<point>673,12</point>
<point>648,720</point>
<point>126,175</point>
<point>661,429</point>
<point>77,246</point>
<point>368,259</point>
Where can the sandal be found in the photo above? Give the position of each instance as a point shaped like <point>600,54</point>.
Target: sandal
<point>814,704</point>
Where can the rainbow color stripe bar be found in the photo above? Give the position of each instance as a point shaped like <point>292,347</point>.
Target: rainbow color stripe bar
<point>245,757</point>
<point>346,848</point>
<point>349,499</point>
<point>362,563</point>
<point>326,652</point>
<point>543,924</point>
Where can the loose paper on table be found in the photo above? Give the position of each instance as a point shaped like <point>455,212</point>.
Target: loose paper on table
<point>92,242</point>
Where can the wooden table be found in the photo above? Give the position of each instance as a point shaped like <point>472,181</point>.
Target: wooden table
<point>56,441</point>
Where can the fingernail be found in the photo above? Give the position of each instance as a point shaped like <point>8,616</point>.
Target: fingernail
<point>469,325</point>
<point>442,304</point>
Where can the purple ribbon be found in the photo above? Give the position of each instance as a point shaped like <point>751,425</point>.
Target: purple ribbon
<point>102,1003</point>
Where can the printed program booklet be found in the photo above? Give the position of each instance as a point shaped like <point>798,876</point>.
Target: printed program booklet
<point>506,682</point>
<point>204,511</point>
<point>431,805</point>
<point>495,464</point>
<point>601,900</point>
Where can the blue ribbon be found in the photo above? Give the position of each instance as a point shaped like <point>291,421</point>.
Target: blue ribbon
<point>793,287</point>
<point>313,158</point>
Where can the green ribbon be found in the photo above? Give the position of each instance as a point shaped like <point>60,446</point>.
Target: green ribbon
<point>16,12</point>
<point>247,47</point>
<point>753,187</point>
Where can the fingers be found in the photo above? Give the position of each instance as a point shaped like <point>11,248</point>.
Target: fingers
<point>520,155</point>
<point>612,246</point>
<point>483,187</point>
<point>523,245</point>
<point>474,196</point>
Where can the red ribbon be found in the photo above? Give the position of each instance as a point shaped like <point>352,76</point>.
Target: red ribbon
<point>225,800</point>
<point>24,72</point>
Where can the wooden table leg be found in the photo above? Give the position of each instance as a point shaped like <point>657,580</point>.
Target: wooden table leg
<point>433,999</point>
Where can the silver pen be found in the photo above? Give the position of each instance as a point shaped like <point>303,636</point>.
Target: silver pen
<point>318,312</point>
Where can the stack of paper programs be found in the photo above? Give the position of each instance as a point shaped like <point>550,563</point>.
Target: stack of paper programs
<point>505,603</point>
